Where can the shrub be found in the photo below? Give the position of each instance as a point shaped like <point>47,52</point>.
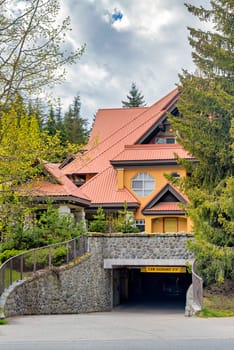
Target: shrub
<point>7,254</point>
<point>125,222</point>
<point>99,224</point>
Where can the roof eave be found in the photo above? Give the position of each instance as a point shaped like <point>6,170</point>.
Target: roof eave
<point>143,162</point>
<point>164,212</point>
<point>58,199</point>
<point>120,205</point>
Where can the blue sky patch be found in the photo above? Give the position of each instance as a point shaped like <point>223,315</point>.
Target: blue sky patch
<point>116,15</point>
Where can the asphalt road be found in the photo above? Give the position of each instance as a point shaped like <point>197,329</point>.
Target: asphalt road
<point>125,345</point>
<point>124,328</point>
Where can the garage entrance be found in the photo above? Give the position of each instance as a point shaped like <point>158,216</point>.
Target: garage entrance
<point>139,285</point>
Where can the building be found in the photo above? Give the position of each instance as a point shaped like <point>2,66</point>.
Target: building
<point>130,151</point>
<point>131,155</point>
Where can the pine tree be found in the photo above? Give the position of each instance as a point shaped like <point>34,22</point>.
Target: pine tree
<point>75,126</point>
<point>59,121</point>
<point>51,126</point>
<point>206,107</point>
<point>135,98</point>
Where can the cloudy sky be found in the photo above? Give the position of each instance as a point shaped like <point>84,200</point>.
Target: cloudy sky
<point>141,41</point>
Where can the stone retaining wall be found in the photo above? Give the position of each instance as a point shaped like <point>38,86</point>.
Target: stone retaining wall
<point>143,246</point>
<point>86,286</point>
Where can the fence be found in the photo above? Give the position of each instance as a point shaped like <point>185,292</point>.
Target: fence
<point>197,287</point>
<point>25,264</point>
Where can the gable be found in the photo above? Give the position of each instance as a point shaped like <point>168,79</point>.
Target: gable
<point>166,202</point>
<point>161,129</point>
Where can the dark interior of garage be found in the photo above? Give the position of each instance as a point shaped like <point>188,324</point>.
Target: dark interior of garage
<point>130,285</point>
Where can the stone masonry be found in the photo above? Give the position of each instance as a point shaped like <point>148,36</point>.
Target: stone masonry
<point>85,285</point>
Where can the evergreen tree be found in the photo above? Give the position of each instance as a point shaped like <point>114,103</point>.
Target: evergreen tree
<point>51,126</point>
<point>134,98</point>
<point>75,127</point>
<point>206,107</point>
<point>99,223</point>
<point>38,109</point>
<point>59,121</point>
<point>125,222</point>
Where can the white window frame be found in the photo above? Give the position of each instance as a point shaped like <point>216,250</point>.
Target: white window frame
<point>143,184</point>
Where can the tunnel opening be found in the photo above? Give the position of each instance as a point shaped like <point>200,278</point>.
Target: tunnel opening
<point>138,287</point>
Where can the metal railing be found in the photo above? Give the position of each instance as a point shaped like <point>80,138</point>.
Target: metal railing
<point>25,264</point>
<point>197,287</point>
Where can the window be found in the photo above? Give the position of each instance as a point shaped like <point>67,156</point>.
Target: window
<point>175,174</point>
<point>143,184</point>
<point>163,140</point>
<point>140,224</point>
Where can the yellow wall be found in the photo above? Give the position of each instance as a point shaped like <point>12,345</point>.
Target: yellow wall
<point>155,224</point>
<point>160,182</point>
<point>120,174</point>
<point>125,177</point>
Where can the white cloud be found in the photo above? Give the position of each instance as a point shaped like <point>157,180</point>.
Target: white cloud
<point>90,74</point>
<point>147,45</point>
<point>146,18</point>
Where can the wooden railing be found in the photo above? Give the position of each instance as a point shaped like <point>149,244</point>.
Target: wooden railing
<point>25,264</point>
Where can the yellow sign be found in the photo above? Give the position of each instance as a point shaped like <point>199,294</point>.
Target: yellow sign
<point>164,269</point>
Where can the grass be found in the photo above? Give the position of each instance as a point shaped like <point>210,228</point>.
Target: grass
<point>217,305</point>
<point>3,321</point>
<point>15,277</point>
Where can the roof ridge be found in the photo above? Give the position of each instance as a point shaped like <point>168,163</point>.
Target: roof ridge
<point>122,108</point>
<point>164,97</point>
<point>154,145</point>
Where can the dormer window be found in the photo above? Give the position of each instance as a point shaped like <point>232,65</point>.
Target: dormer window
<point>165,140</point>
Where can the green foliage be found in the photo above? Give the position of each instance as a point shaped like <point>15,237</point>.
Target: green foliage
<point>99,224</point>
<point>51,122</point>
<point>58,255</point>
<point>75,127</point>
<point>70,129</point>
<point>134,98</point>
<point>23,144</point>
<point>49,228</point>
<point>3,321</point>
<point>7,254</point>
<point>206,312</point>
<point>107,223</point>
<point>31,53</point>
<point>125,222</point>
<point>205,128</point>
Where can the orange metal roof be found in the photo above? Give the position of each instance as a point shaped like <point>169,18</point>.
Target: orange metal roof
<point>114,137</point>
<point>63,187</point>
<point>152,152</point>
<point>112,119</point>
<point>102,188</point>
<point>112,131</point>
<point>165,206</point>
<point>127,131</point>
